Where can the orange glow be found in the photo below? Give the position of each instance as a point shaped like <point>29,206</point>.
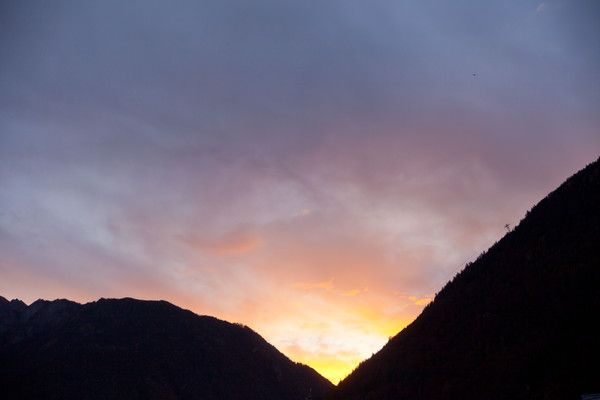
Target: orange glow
<point>342,349</point>
<point>330,324</point>
<point>332,367</point>
<point>322,296</point>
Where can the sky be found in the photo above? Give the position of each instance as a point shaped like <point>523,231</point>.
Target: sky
<point>316,170</point>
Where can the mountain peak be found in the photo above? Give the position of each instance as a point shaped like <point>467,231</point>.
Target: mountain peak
<point>516,323</point>
<point>141,349</point>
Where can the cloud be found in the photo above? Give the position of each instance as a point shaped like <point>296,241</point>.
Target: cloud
<point>416,300</point>
<point>540,7</point>
<point>236,242</point>
<point>328,286</point>
<point>303,213</point>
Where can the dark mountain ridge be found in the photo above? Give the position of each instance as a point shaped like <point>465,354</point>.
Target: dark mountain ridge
<point>518,323</point>
<point>135,349</point>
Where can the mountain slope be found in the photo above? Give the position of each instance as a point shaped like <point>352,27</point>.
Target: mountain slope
<point>518,323</point>
<point>140,350</point>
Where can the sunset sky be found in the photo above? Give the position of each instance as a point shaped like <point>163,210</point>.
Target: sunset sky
<point>316,170</point>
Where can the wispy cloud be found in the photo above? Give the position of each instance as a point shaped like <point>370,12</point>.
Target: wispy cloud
<point>328,286</point>
<point>232,243</point>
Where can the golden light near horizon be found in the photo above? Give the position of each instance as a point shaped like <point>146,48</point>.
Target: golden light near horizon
<point>331,367</point>
<point>325,327</point>
<point>336,363</point>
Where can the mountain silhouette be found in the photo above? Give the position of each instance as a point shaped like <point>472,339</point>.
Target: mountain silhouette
<point>133,349</point>
<point>518,323</point>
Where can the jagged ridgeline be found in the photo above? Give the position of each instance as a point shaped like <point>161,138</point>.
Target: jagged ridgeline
<point>132,349</point>
<point>518,323</point>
